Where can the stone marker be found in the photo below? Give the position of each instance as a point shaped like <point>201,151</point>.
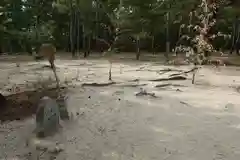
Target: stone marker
<point>47,117</point>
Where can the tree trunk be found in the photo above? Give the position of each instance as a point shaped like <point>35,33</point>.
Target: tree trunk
<point>84,41</point>
<point>36,46</point>
<point>237,44</point>
<point>206,26</point>
<point>153,48</point>
<point>179,39</point>
<point>167,37</point>
<point>138,48</point>
<point>1,48</point>
<point>77,26</point>
<point>10,46</point>
<point>71,35</point>
<point>110,71</point>
<point>96,26</point>
<point>89,45</point>
<point>235,35</point>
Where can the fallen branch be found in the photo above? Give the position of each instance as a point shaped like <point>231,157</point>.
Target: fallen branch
<point>98,84</point>
<point>170,78</point>
<point>185,72</point>
<point>134,80</point>
<point>185,103</point>
<point>156,70</point>
<point>163,85</point>
<point>132,85</point>
<point>162,72</point>
<point>169,84</point>
<point>176,74</point>
<point>169,70</point>
<point>192,70</point>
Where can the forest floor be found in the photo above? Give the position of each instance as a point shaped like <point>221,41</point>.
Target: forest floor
<point>180,121</point>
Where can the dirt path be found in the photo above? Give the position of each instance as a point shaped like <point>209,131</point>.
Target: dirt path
<point>182,122</point>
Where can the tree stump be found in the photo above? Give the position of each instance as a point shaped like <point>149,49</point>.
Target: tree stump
<point>47,117</point>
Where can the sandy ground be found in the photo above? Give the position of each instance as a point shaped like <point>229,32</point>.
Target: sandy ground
<point>183,121</point>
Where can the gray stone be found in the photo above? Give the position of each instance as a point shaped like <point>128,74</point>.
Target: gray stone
<point>47,117</point>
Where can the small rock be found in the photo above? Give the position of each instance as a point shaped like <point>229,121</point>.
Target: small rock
<point>56,149</point>
<point>44,145</point>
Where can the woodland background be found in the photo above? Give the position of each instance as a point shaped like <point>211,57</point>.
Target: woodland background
<point>94,25</point>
